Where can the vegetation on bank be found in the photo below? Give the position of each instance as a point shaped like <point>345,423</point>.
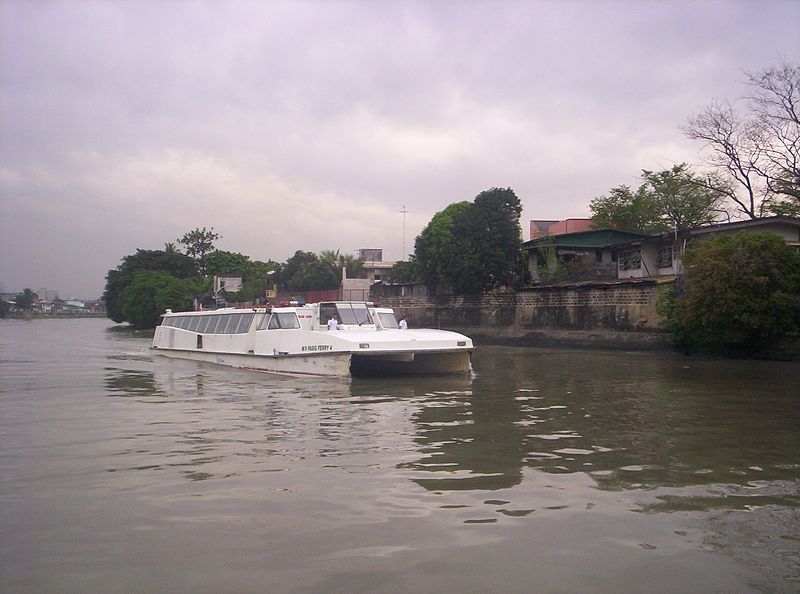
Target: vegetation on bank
<point>740,295</point>
<point>150,281</point>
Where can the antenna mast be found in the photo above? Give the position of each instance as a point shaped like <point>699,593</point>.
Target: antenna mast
<point>404,211</point>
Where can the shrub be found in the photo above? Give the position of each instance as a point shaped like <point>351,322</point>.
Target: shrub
<point>739,294</point>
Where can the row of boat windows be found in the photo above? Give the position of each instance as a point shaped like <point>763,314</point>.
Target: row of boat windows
<point>232,323</point>
<point>212,324</point>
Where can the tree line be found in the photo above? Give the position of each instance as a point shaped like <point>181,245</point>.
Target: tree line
<point>150,281</point>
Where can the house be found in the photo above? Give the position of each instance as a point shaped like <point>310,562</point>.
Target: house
<point>230,283</point>
<point>375,267</point>
<point>660,255</point>
<point>582,255</point>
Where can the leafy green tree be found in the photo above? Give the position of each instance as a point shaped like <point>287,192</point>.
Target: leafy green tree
<point>671,199</point>
<point>682,199</point>
<point>292,267</point>
<point>25,299</point>
<point>473,246</point>
<point>739,293</point>
<point>151,293</point>
<point>785,208</point>
<point>304,271</point>
<point>4,307</point>
<point>313,276</point>
<point>622,208</point>
<point>405,271</point>
<point>435,247</point>
<point>199,243</point>
<point>220,263</point>
<point>172,263</point>
<point>497,213</point>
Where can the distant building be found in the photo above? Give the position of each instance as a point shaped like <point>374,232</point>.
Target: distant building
<point>47,295</point>
<point>374,270</point>
<point>375,267</point>
<point>229,283</point>
<point>544,228</point>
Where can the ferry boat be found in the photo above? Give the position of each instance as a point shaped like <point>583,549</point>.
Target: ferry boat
<point>296,340</point>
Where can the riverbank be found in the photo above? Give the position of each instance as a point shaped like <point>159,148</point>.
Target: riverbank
<point>604,315</point>
<point>580,339</point>
<point>37,315</point>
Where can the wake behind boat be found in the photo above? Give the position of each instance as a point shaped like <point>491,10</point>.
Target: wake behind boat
<point>296,340</point>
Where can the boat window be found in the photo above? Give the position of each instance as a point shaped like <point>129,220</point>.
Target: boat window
<point>193,322</point>
<point>362,313</point>
<point>185,320</point>
<point>326,310</point>
<point>262,325</point>
<point>180,321</point>
<point>353,313</point>
<point>201,327</point>
<point>225,324</point>
<point>244,323</point>
<point>212,325</point>
<point>287,320</point>
<point>387,320</point>
<point>167,322</point>
<point>233,323</point>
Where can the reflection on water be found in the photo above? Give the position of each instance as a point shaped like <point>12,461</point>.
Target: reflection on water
<point>629,452</point>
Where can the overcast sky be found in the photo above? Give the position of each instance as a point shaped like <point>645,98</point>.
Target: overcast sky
<point>309,124</point>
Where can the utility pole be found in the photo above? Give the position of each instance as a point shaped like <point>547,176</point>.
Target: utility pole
<point>404,211</point>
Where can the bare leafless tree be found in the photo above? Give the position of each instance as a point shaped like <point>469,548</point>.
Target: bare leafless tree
<point>753,144</point>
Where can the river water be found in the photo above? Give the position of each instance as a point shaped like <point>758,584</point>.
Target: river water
<point>548,471</point>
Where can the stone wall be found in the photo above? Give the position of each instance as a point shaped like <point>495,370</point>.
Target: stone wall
<point>586,309</point>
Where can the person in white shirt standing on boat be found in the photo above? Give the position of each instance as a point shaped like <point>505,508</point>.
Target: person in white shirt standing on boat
<point>402,323</point>
<point>333,323</point>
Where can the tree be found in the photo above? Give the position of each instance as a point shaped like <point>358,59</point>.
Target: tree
<point>25,299</point>
<point>473,246</point>
<point>754,144</point>
<point>405,271</point>
<point>293,266</point>
<point>739,293</point>
<point>151,293</point>
<point>625,209</point>
<point>674,198</point>
<point>219,263</point>
<point>4,307</point>
<point>198,243</point>
<point>435,247</point>
<point>338,262</point>
<point>172,263</point>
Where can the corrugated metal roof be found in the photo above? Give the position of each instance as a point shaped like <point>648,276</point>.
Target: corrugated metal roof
<point>596,238</point>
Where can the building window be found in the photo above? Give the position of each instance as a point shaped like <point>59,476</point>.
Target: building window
<point>630,259</point>
<point>665,257</point>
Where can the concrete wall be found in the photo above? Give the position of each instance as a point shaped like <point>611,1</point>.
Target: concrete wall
<point>586,308</point>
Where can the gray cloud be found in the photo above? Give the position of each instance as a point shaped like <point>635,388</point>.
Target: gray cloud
<point>306,125</point>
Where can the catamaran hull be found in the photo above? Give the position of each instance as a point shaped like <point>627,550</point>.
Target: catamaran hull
<point>336,364</point>
<point>333,365</point>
